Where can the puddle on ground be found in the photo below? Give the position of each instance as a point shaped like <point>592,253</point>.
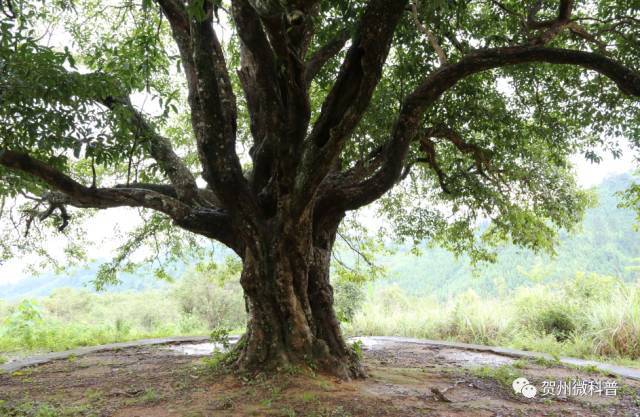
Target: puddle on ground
<point>196,349</point>
<point>469,357</point>
<point>207,348</point>
<point>368,343</point>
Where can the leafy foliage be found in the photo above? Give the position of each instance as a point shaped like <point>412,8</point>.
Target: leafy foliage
<point>23,322</point>
<point>213,296</point>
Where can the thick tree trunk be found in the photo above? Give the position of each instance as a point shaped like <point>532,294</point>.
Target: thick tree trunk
<point>290,306</point>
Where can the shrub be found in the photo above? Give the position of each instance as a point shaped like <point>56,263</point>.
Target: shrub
<point>548,310</point>
<point>220,336</point>
<point>474,319</point>
<point>615,325</point>
<point>22,324</point>
<point>587,316</point>
<point>589,288</point>
<point>214,298</point>
<point>392,298</point>
<point>68,303</point>
<point>189,323</point>
<point>557,323</point>
<point>348,299</point>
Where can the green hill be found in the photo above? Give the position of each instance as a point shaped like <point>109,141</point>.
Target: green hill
<point>606,244</point>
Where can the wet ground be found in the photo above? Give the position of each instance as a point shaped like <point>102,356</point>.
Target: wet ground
<point>405,379</point>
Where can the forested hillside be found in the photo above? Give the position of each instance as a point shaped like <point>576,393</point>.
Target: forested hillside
<point>606,244</point>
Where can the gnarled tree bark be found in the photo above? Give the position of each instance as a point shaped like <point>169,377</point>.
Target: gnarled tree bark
<point>290,303</point>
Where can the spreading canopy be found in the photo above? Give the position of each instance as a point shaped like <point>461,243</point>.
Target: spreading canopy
<point>450,112</point>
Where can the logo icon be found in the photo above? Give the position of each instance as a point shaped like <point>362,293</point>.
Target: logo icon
<point>524,387</point>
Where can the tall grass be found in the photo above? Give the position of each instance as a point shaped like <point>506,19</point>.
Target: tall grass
<point>588,316</point>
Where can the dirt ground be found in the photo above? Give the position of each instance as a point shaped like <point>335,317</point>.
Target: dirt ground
<point>405,380</point>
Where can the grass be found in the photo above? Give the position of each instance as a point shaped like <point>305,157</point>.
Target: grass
<point>548,363</point>
<point>520,363</point>
<point>504,374</point>
<point>32,409</point>
<point>93,395</point>
<point>591,317</point>
<point>149,396</point>
<point>309,397</point>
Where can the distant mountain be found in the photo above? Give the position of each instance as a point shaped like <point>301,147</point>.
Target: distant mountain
<point>142,279</point>
<point>42,285</point>
<point>607,244</point>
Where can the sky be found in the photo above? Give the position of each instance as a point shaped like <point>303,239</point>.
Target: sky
<point>590,174</point>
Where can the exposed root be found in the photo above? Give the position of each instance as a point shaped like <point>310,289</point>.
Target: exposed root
<point>247,359</point>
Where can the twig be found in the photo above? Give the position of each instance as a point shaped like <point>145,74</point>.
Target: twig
<point>356,250</point>
<point>442,57</point>
<point>439,395</point>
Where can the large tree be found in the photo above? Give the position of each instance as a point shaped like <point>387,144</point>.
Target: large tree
<point>449,112</point>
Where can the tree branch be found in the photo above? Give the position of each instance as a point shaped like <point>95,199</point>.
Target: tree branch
<point>86,197</point>
<point>258,65</point>
<point>211,98</point>
<point>429,148</point>
<point>160,149</point>
<point>506,8</point>
<point>353,195</point>
<point>554,27</point>
<point>480,155</point>
<point>433,41</point>
<point>350,96</point>
<point>211,222</point>
<point>206,197</point>
<point>324,54</point>
<point>215,124</point>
